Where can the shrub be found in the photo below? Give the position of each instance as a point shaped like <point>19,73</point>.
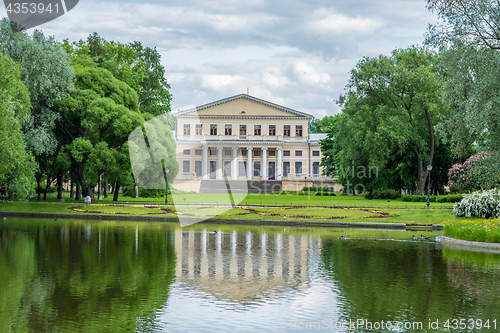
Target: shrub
<point>147,193</point>
<point>326,193</point>
<point>479,204</point>
<point>316,189</point>
<point>450,198</point>
<point>432,198</point>
<point>473,174</point>
<point>383,194</point>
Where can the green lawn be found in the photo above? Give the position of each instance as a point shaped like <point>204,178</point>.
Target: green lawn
<point>269,200</point>
<point>260,207</point>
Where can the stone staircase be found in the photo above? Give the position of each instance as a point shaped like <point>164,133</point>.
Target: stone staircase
<point>240,186</point>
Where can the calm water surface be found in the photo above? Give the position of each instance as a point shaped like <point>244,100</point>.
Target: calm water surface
<point>80,276</point>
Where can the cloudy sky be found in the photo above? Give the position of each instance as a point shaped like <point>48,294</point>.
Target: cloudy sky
<point>297,53</point>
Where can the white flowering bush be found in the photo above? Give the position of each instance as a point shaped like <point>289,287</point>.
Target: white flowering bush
<point>496,212</point>
<point>479,204</point>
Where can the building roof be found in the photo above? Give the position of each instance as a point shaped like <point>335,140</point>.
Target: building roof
<point>194,111</point>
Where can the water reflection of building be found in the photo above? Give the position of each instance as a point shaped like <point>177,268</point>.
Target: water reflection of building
<point>243,266</point>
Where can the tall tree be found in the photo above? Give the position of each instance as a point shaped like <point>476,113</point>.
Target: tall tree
<point>95,122</point>
<point>17,167</point>
<point>389,111</point>
<point>46,71</point>
<point>470,35</point>
<point>473,22</point>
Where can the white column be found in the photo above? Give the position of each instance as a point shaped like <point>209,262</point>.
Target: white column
<point>234,164</point>
<point>249,163</point>
<point>264,163</point>
<point>205,163</point>
<point>278,167</point>
<point>219,162</point>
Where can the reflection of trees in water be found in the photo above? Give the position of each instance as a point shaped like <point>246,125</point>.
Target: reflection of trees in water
<point>89,277</point>
<point>388,280</point>
<point>477,276</point>
<point>243,268</point>
<point>17,267</point>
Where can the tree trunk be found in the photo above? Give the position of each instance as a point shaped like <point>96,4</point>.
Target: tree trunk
<point>422,176</point>
<point>116,190</point>
<point>38,188</point>
<point>423,172</point>
<point>71,194</point>
<point>99,188</point>
<point>48,182</point>
<point>106,187</point>
<point>59,185</point>
<point>78,191</point>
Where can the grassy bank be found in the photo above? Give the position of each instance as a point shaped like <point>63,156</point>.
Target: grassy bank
<point>266,200</point>
<point>475,230</point>
<point>254,207</point>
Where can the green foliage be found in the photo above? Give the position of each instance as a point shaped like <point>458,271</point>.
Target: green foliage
<point>471,80</point>
<point>450,198</point>
<point>137,66</point>
<point>18,167</point>
<point>119,87</point>
<point>148,193</point>
<point>474,22</point>
<point>388,115</point>
<point>330,147</point>
<point>469,39</point>
<point>95,122</point>
<point>317,189</point>
<point>324,125</point>
<point>46,72</point>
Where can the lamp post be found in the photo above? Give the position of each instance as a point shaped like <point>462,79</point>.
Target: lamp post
<point>166,184</point>
<point>429,168</point>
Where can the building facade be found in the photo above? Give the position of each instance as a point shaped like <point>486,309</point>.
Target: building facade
<point>246,138</point>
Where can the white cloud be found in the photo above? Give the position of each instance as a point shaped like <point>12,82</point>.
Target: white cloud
<point>326,22</point>
<point>310,75</point>
<point>220,82</point>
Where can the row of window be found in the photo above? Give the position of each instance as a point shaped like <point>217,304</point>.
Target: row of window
<point>228,130</point>
<point>242,166</point>
<point>243,152</point>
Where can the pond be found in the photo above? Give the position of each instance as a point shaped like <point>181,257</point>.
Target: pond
<point>82,276</point>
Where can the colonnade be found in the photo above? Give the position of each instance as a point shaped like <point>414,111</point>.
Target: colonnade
<point>249,160</point>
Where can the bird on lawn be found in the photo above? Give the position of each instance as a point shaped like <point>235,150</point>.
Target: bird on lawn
<point>422,237</point>
<point>415,237</point>
<point>341,237</point>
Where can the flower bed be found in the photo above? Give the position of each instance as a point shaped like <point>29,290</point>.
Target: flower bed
<point>330,213</point>
<point>294,212</point>
<point>122,209</point>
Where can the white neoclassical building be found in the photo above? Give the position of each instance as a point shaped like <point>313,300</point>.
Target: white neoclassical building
<point>249,139</point>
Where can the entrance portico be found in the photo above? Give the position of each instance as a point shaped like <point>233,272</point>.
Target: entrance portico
<point>259,165</point>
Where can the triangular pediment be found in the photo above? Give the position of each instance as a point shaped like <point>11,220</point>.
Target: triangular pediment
<point>242,106</point>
